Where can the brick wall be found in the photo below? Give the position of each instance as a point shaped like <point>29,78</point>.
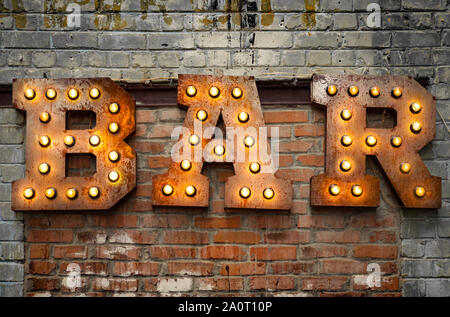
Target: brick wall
<point>317,251</point>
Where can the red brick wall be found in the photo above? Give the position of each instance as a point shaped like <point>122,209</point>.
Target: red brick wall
<point>135,248</point>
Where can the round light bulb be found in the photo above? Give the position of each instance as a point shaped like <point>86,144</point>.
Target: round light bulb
<point>50,193</point>
<point>44,117</point>
<point>69,140</point>
<point>44,141</point>
<point>249,141</point>
<point>190,190</point>
<point>194,139</point>
<point>214,92</point>
<point>346,140</point>
<point>94,93</point>
<point>219,150</point>
<point>405,168</point>
<point>202,115</point>
<point>29,93</point>
<point>416,127</point>
<point>237,92</point>
<point>73,93</point>
<point>346,114</point>
<point>397,92</point>
<point>191,91</point>
<point>113,176</point>
<point>94,192</point>
<point>268,193</point>
<point>345,165</point>
<point>113,127</point>
<point>28,193</point>
<point>334,189</point>
<point>185,165</point>
<point>255,167</point>
<point>243,117</point>
<point>94,140</point>
<point>374,92</point>
<point>396,141</point>
<point>371,140</point>
<point>113,156</point>
<point>44,168</point>
<point>419,191</point>
<point>167,190</point>
<point>71,193</point>
<point>331,90</point>
<point>353,91</point>
<point>114,107</point>
<point>357,190</point>
<point>245,192</point>
<point>415,107</point>
<point>50,93</point>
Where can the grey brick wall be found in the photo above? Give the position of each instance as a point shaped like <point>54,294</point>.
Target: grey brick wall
<point>270,39</point>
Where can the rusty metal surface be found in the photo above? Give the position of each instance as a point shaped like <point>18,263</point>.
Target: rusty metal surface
<point>55,153</point>
<point>229,108</point>
<point>390,157</point>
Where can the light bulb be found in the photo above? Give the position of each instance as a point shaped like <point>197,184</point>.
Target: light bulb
<point>419,191</point>
<point>94,192</point>
<point>346,140</point>
<point>219,150</point>
<point>415,127</point>
<point>371,140</point>
<point>331,90</point>
<point>73,93</point>
<point>113,156</point>
<point>94,140</point>
<point>415,107</point>
<point>249,141</point>
<point>167,190</point>
<point>255,167</point>
<point>334,189</point>
<point>44,141</point>
<point>44,168</point>
<point>244,192</point>
<point>113,127</point>
<point>243,117</point>
<point>194,139</point>
<point>237,92</point>
<point>114,107</point>
<point>50,193</point>
<point>345,166</point>
<point>214,92</point>
<point>185,165</point>
<point>71,193</point>
<point>69,140</point>
<point>113,176</point>
<point>374,92</point>
<point>268,193</point>
<point>28,193</point>
<point>202,115</point>
<point>346,114</point>
<point>191,91</point>
<point>94,93</point>
<point>30,93</point>
<point>357,190</point>
<point>396,141</point>
<point>405,168</point>
<point>50,93</point>
<point>44,117</point>
<point>190,190</point>
<point>353,91</point>
<point>397,92</point>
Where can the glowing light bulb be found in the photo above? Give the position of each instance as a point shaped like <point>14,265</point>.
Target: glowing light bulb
<point>346,114</point>
<point>185,165</point>
<point>28,193</point>
<point>415,107</point>
<point>113,156</point>
<point>371,140</point>
<point>396,141</point>
<point>71,193</point>
<point>357,190</point>
<point>353,91</point>
<point>114,108</point>
<point>214,92</point>
<point>191,91</point>
<point>167,190</point>
<point>397,92</point>
<point>30,93</point>
<point>255,167</point>
<point>374,92</point>
<point>419,191</point>
<point>345,165</point>
<point>331,90</point>
<point>249,141</point>
<point>44,168</point>
<point>113,176</point>
<point>405,168</point>
<point>69,140</point>
<point>245,192</point>
<point>219,150</point>
<point>44,141</point>
<point>243,117</point>
<point>113,127</point>
<point>44,117</point>
<point>190,190</point>
<point>94,140</point>
<point>334,189</point>
<point>346,140</point>
<point>94,192</point>
<point>50,93</point>
<point>50,193</point>
<point>415,127</point>
<point>202,115</point>
<point>268,193</point>
<point>73,94</point>
<point>194,139</point>
<point>237,92</point>
<point>94,93</point>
